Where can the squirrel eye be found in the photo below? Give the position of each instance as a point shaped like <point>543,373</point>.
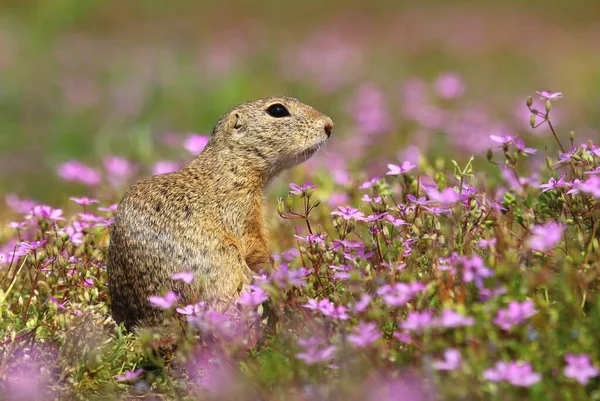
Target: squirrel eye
<point>278,110</point>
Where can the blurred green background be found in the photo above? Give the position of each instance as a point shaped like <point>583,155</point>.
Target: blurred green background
<point>82,79</point>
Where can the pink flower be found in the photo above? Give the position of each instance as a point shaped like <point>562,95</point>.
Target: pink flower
<point>553,184</point>
<point>46,212</point>
<point>567,156</point>
<point>403,337</point>
<point>392,267</point>
<point>369,109</point>
<point>396,222</point>
<point>404,168</point>
<point>449,318</point>
<point>195,144</point>
<point>375,199</point>
<point>486,243</point>
<point>286,277</point>
<point>515,313</point>
<point>301,189</point>
<point>548,95</point>
<point>377,216</point>
<point>337,199</point>
<point>545,236</point>
<point>399,294</point>
<point>312,304</point>
<point>452,360</point>
<point>593,149</point>
<point>449,85</point>
<point>129,375</point>
<point>164,167</point>
<point>313,238</point>
<point>186,277</point>
<point>76,171</point>
<point>342,272</point>
<point>365,335</point>
<point>518,374</point>
<point>31,246</point>
<point>19,205</point>
<point>438,211</point>
<point>195,309</point>
<point>369,183</point>
<point>422,201</point>
<point>90,217</point>
<point>591,185</point>
<point>447,197</point>
<point>55,301</point>
<point>290,254</point>
<point>519,144</point>
<point>417,321</point>
<point>348,213</point>
<point>117,166</point>
<point>255,296</point>
<point>504,139</point>
<point>17,225</point>
<point>328,309</point>
<point>112,208</point>
<point>362,303</point>
<point>165,302</point>
<point>580,368</point>
<point>347,244</point>
<point>314,351</point>
<point>83,201</point>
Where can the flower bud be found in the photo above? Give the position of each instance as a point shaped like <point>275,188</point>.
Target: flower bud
<point>529,101</point>
<point>509,198</point>
<point>490,155</point>
<point>308,192</point>
<point>317,203</point>
<point>350,227</point>
<point>532,121</point>
<point>548,106</point>
<point>289,203</point>
<point>280,205</point>
<point>549,162</point>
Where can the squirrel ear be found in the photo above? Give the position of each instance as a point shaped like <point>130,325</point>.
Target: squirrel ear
<point>235,121</point>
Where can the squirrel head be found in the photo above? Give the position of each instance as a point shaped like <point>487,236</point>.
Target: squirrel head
<point>271,134</point>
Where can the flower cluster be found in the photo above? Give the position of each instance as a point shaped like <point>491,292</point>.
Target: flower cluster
<point>422,269</point>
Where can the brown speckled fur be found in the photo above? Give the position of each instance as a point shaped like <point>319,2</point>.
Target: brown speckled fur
<point>208,217</point>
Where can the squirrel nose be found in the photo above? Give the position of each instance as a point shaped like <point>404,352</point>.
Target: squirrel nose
<point>328,127</point>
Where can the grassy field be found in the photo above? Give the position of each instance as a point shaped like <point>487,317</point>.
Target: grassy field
<point>456,252</point>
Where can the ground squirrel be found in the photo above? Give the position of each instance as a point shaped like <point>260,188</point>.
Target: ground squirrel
<point>208,217</point>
